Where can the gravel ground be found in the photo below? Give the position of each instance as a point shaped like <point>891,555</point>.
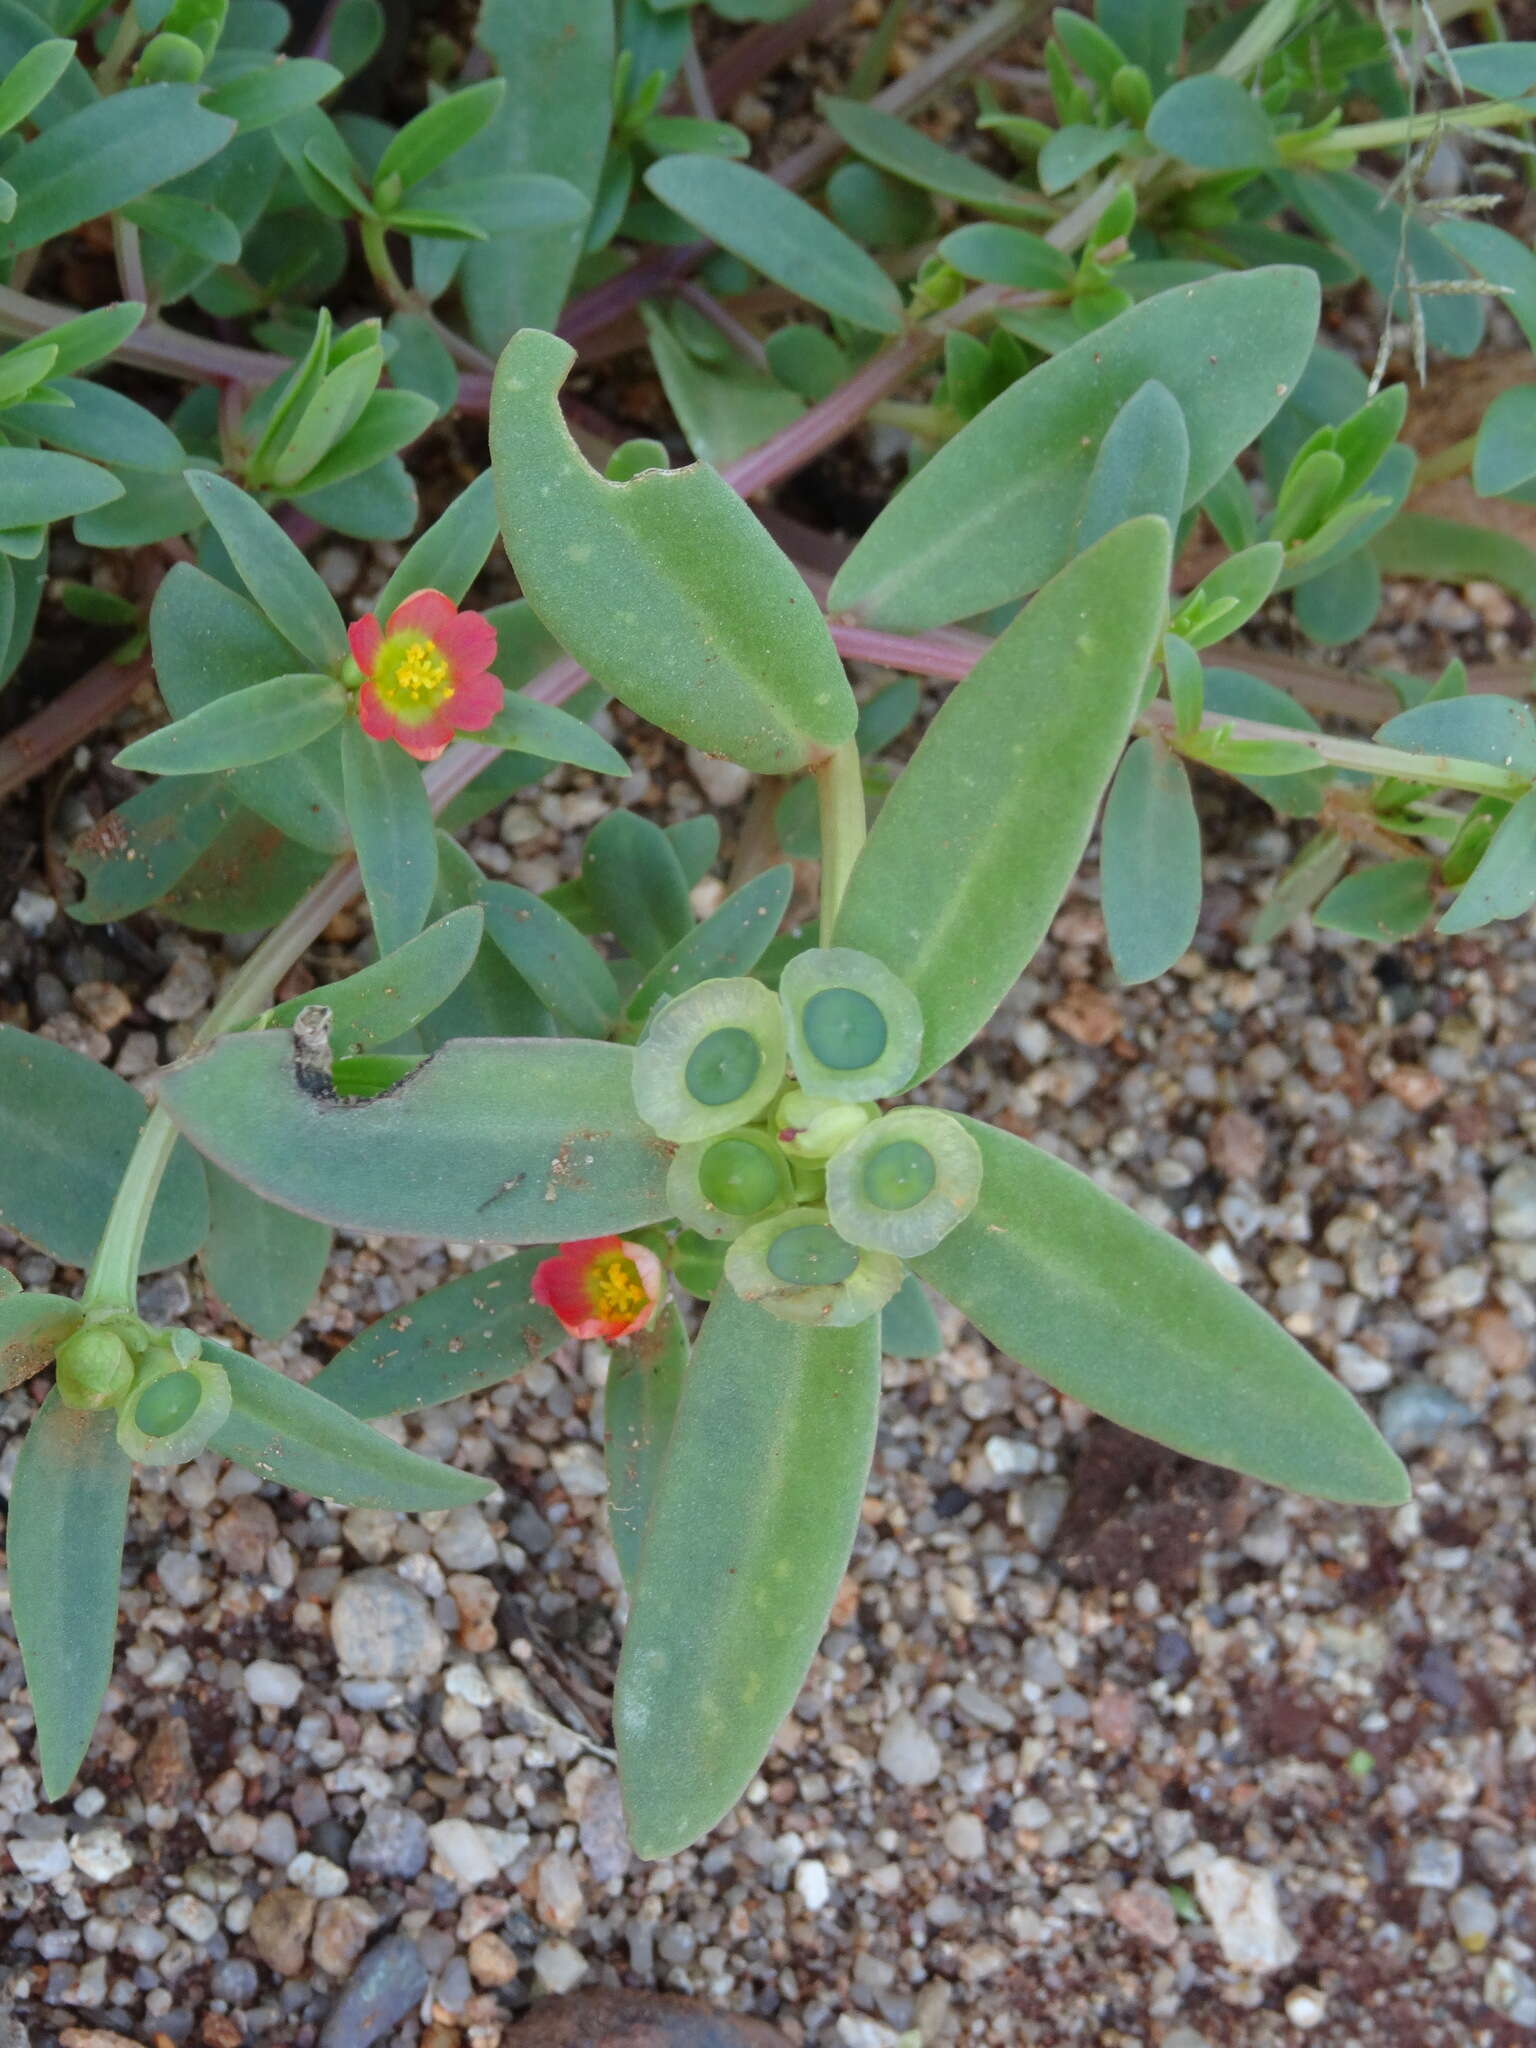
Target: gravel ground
<point>1103,1746</point>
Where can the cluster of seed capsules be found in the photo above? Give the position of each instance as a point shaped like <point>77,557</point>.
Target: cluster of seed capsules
<point>169,1401</point>
<point>820,1195</point>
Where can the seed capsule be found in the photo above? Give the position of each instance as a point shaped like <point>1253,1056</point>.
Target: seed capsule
<point>711,1060</point>
<point>93,1369</point>
<point>855,1031</point>
<point>174,1406</point>
<point>719,1186</point>
<point>904,1182</point>
<point>798,1268</point>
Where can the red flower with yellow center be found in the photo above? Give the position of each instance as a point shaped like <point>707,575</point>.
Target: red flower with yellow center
<point>602,1287</point>
<point>426,674</point>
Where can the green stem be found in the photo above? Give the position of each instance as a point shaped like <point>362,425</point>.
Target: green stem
<point>375,240</point>
<point>1267,30</point>
<point>1363,135</point>
<point>1452,461</point>
<point>119,50</point>
<point>840,797</point>
<point>1446,771</point>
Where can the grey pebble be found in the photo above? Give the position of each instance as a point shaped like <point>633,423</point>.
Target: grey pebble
<point>387,1984</point>
<point>1434,1864</point>
<point>1512,1201</point>
<point>1414,1414</point>
<point>392,1842</point>
<point>384,1628</point>
<point>908,1753</point>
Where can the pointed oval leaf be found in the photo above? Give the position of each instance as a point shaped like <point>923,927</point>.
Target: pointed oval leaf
<point>1387,901</point>
<point>1497,730</point>
<point>264,1263</point>
<point>208,642</point>
<point>254,724</point>
<point>37,486</point>
<point>778,233</point>
<point>748,1538</point>
<point>292,1434</point>
<point>667,589</point>
<point>1211,122</point>
<point>526,726</point>
<point>564,970</point>
<point>909,1328</point>
<point>490,1141</point>
<point>1503,884</point>
<point>1128,1321</point>
<point>636,884</point>
<point>732,941</point>
<point>645,1383</point>
<point>380,1003</point>
<point>273,570</point>
<point>993,514</point>
<point>907,153</point>
<point>1149,862</point>
<point>67,1129</point>
<point>64,1546</point>
<point>473,1333</point>
<point>1142,465</point>
<point>392,832</point>
<point>133,855</point>
<point>32,1327</point>
<point>453,550</point>
<point>973,849</point>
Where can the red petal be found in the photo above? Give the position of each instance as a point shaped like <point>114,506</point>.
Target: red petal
<point>468,640</point>
<point>425,742</point>
<point>476,702</point>
<point>365,637</point>
<point>374,718</point>
<point>425,612</point>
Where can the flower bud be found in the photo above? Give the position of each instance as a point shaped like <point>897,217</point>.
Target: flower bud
<point>174,1406</point>
<point>710,1060</point>
<point>904,1182</point>
<point>855,1031</point>
<point>93,1369</point>
<point>799,1269</point>
<point>814,1126</point>
<point>719,1186</point>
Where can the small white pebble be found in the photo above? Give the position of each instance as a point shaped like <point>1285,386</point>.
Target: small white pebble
<point>1305,2007</point>
<point>270,1684</point>
<point>812,1883</point>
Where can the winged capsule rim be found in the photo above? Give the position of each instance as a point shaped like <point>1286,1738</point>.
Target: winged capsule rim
<point>675,1032</point>
<point>838,1306</point>
<point>210,1414</point>
<point>910,1232</point>
<point>821,968</point>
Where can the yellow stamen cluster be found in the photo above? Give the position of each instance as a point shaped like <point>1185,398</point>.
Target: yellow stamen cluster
<point>617,1290</point>
<point>421,672</point>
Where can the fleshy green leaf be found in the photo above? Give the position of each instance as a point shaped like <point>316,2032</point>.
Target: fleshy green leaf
<point>995,254</point>
<point>67,1128</point>
<point>909,1327</point>
<point>292,1434</point>
<point>64,1546</point>
<point>250,877</point>
<point>1389,900</point>
<point>749,1533</point>
<point>1142,465</point>
<point>490,1141</point>
<point>1211,122</point>
<point>636,885</point>
<point>526,726</point>
<point>263,1262</point>
<point>133,855</point>
<point>1149,862</point>
<point>254,724</point>
<point>271,92</point>
<point>102,155</point>
<point>392,831</point>
<point>272,569</point>
<point>451,553</point>
<point>38,486</point>
<point>380,1003</point>
<point>993,514</point>
<point>907,153</point>
<point>645,1383</point>
<point>564,970</point>
<point>731,941</point>
<point>973,849</point>
<point>473,1333</point>
<point>1503,884</point>
<point>31,79</point>
<point>659,583</point>
<point>1454,551</point>
<point>438,132</point>
<point>32,1327</point>
<point>781,235</point>
<point>1497,730</point>
<point>1128,1321</point>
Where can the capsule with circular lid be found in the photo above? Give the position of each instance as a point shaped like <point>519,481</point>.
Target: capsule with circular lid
<point>797,1267</point>
<point>709,1060</point>
<point>904,1182</point>
<point>173,1408</point>
<point>855,1031</point>
<point>720,1186</point>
